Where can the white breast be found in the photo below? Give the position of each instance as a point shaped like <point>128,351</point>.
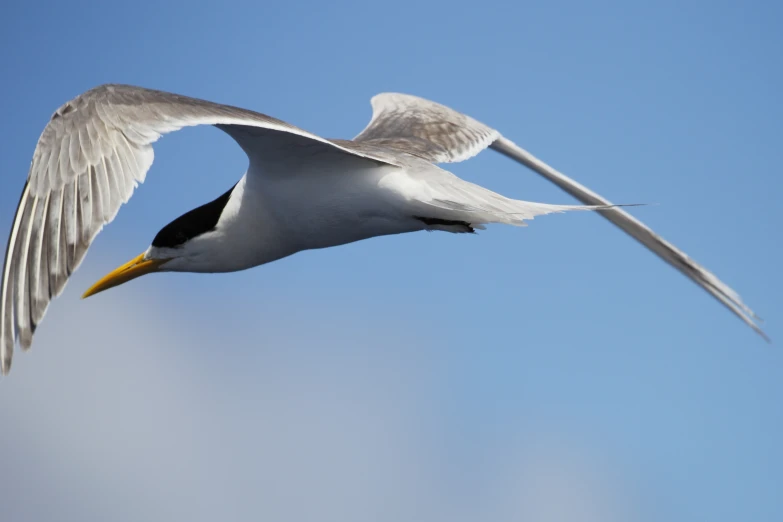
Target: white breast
<point>302,208</point>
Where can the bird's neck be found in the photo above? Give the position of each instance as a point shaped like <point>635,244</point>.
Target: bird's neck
<point>249,229</point>
<point>245,235</point>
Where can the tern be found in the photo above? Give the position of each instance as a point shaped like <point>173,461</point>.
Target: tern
<point>300,192</point>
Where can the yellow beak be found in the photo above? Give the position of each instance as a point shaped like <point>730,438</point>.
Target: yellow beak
<point>136,267</point>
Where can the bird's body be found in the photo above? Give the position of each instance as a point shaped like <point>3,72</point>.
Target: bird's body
<point>300,192</point>
<point>277,209</point>
<point>269,216</point>
<point>339,203</point>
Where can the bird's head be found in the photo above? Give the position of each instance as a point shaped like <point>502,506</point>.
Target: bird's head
<point>191,243</point>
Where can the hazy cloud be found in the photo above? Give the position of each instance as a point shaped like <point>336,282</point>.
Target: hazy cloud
<point>129,409</point>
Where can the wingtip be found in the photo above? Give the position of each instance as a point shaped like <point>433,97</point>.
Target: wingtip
<point>757,329</point>
<point>6,354</point>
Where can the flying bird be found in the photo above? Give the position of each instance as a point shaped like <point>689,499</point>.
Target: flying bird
<point>300,192</point>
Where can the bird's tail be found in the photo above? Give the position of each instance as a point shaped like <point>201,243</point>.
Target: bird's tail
<point>479,206</point>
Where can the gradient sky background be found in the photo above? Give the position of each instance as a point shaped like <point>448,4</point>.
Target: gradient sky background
<point>558,372</point>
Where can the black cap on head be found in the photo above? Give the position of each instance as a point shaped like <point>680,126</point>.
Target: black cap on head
<point>191,224</point>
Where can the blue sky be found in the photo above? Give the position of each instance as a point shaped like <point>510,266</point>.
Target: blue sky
<point>557,372</point>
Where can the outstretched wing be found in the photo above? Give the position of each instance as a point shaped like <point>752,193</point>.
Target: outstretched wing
<point>440,134</point>
<point>639,231</point>
<point>88,160</point>
<point>424,128</point>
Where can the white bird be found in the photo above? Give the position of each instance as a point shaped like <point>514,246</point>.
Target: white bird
<point>300,192</point>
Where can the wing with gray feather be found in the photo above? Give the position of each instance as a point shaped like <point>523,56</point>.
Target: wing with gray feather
<point>424,128</point>
<point>440,134</point>
<point>88,160</point>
